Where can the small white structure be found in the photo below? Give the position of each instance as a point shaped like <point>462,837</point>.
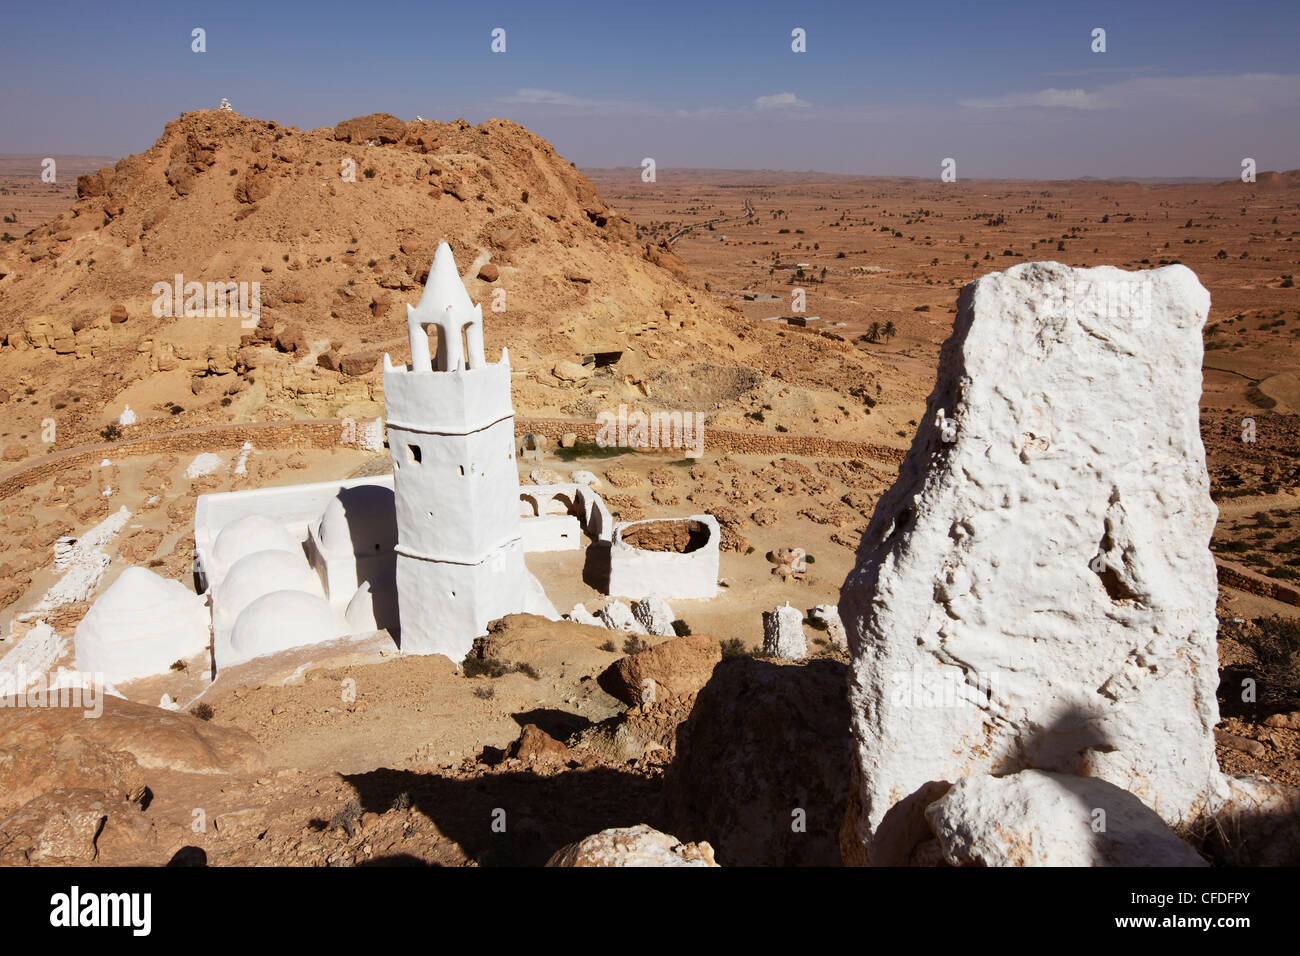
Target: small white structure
<point>127,417</point>
<point>460,556</point>
<point>783,634</point>
<point>669,557</point>
<point>140,626</point>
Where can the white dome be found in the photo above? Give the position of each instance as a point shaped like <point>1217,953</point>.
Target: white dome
<point>374,605</point>
<point>361,520</point>
<point>257,574</point>
<point>281,620</point>
<point>250,534</point>
<point>140,626</point>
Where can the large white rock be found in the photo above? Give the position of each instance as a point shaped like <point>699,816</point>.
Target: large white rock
<point>1037,818</point>
<point>655,616</point>
<point>1036,589</point>
<point>783,634</point>
<point>580,615</point>
<point>617,616</point>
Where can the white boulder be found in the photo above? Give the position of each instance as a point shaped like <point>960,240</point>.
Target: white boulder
<point>655,616</point>
<point>1037,818</point>
<point>1044,556</point>
<point>616,616</point>
<point>580,615</point>
<point>783,634</point>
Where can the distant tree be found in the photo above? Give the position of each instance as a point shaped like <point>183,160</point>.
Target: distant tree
<point>873,333</point>
<point>889,331</point>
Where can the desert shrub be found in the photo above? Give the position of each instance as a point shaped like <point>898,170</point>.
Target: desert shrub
<point>733,647</point>
<point>202,710</point>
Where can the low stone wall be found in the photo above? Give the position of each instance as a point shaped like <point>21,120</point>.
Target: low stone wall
<point>733,441</point>
<point>333,432</point>
<point>1253,583</point>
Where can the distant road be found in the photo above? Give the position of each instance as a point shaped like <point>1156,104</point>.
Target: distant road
<point>749,214</point>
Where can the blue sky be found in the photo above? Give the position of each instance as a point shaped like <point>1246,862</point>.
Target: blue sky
<point>1007,89</point>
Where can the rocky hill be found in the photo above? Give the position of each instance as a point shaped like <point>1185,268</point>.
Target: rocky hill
<point>337,226</point>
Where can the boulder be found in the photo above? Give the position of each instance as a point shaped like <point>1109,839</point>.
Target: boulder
<point>618,617</point>
<point>378,128</point>
<point>762,763</point>
<point>783,634</point>
<point>580,615</point>
<point>567,371</point>
<point>1039,818</point>
<point>655,616</point>
<point>358,363</point>
<point>59,827</point>
<point>641,845</point>
<point>489,272</point>
<point>536,746</point>
<point>1036,589</point>
<point>157,739</point>
<point>672,669</point>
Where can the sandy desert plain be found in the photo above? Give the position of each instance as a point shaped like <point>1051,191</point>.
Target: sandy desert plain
<point>410,770</point>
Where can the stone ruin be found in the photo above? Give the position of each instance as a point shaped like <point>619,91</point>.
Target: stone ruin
<point>1036,590</point>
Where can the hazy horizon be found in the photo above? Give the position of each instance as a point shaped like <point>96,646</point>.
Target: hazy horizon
<point>1183,91</point>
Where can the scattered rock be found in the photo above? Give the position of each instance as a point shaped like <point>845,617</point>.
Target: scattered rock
<point>618,617</point>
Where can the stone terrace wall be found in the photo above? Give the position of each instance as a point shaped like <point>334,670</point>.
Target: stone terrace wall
<point>1253,583</point>
<point>329,433</point>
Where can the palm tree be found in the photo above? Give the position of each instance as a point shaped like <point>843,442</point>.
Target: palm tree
<point>889,331</point>
<point>873,333</point>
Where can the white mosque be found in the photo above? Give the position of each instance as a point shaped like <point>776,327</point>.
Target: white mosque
<point>431,553</point>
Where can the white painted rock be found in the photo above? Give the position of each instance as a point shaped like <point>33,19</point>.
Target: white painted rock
<point>580,615</point>
<point>829,615</point>
<point>1036,818</point>
<point>585,478</point>
<point>655,616</point>
<point>127,417</point>
<point>1036,589</point>
<point>783,634</point>
<point>617,617</point>
<point>641,845</point>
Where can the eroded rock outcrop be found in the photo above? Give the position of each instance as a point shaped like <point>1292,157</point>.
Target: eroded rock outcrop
<point>1036,589</point>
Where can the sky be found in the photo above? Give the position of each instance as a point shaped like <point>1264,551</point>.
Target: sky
<point>1012,90</point>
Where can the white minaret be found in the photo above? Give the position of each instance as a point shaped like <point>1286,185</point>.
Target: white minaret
<point>451,433</point>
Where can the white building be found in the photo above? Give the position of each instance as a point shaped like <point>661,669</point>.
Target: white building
<point>460,556</point>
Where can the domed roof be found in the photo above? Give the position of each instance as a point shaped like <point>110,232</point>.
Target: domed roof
<point>139,626</point>
<point>361,520</point>
<point>257,574</point>
<point>138,591</point>
<point>281,620</point>
<point>250,534</point>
